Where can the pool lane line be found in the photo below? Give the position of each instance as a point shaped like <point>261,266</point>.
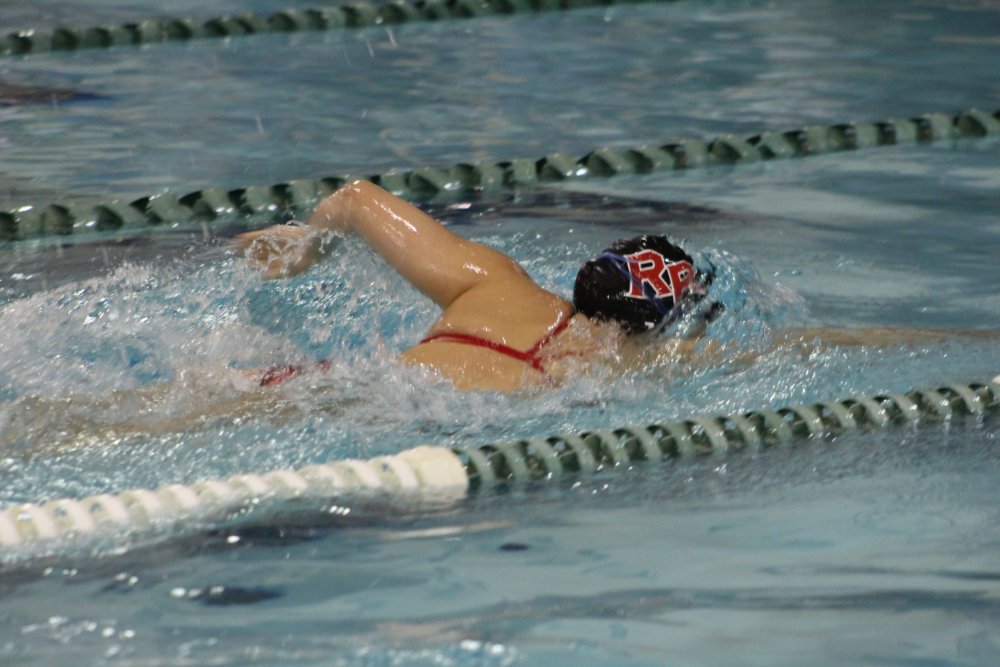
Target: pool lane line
<point>360,14</point>
<point>443,474</point>
<point>421,183</point>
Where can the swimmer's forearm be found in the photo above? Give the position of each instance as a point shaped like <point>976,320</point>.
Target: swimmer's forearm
<point>876,336</point>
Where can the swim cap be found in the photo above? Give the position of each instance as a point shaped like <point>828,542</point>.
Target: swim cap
<point>639,283</point>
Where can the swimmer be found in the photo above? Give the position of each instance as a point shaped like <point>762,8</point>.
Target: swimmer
<point>498,329</point>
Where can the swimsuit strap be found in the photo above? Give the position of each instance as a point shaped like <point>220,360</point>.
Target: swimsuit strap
<point>278,374</point>
<point>529,356</point>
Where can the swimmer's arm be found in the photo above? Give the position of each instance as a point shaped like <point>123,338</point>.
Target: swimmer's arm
<point>439,263</point>
<point>881,336</point>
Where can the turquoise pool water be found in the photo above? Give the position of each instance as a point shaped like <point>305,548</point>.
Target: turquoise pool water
<point>116,352</point>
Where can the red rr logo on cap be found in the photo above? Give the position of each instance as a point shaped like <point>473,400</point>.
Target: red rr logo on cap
<point>648,267</point>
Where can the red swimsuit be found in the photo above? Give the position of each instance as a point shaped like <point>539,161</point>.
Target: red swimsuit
<point>530,356</point>
<point>278,374</point>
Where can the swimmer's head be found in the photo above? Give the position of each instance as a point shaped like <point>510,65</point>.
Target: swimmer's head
<point>640,283</point>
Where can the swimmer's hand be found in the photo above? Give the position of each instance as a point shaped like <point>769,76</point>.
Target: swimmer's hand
<point>282,251</point>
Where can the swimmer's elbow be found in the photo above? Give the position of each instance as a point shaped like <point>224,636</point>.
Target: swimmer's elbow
<point>336,211</point>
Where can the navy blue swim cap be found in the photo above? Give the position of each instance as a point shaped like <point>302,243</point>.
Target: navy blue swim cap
<point>639,283</point>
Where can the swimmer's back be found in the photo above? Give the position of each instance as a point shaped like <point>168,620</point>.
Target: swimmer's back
<point>521,317</point>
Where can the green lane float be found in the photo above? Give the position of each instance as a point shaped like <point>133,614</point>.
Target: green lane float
<point>297,196</point>
<point>352,15</point>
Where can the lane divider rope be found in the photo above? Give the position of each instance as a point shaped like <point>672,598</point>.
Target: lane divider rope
<point>441,473</point>
<point>298,196</point>
<point>361,14</point>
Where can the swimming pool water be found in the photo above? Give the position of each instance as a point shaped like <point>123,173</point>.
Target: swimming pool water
<point>114,358</point>
<point>671,558</point>
<point>228,113</point>
<point>828,553</point>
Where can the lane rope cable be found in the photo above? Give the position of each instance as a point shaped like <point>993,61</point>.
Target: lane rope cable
<point>361,14</point>
<point>435,472</point>
<point>211,204</point>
